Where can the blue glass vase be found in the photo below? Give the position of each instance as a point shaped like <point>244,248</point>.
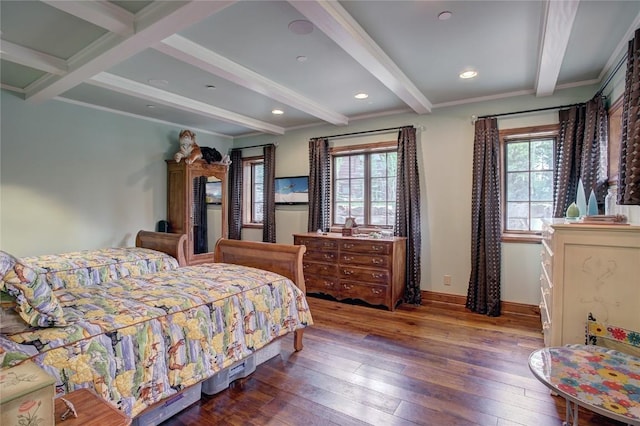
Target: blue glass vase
<point>581,199</point>
<point>592,209</point>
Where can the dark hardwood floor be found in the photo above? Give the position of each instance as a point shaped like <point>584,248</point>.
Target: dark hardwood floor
<point>435,364</point>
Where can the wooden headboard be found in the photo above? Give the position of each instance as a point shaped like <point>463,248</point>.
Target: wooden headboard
<point>172,244</point>
<point>283,259</point>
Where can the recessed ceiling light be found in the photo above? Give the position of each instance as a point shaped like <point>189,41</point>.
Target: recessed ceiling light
<point>277,112</point>
<point>211,87</point>
<point>301,27</point>
<point>361,96</point>
<point>157,82</point>
<point>443,16</point>
<point>151,106</point>
<point>301,58</point>
<point>468,74</point>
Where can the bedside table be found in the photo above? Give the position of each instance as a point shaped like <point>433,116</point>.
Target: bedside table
<point>26,395</point>
<point>91,409</point>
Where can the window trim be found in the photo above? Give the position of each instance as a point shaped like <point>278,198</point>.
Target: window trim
<point>530,132</point>
<point>247,192</point>
<point>365,148</point>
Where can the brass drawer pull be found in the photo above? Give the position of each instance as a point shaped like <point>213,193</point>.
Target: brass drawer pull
<point>376,275</point>
<point>328,256</point>
<point>328,284</point>
<point>346,245</point>
<point>376,260</point>
<point>377,248</point>
<point>376,291</point>
<point>347,286</point>
<point>348,258</point>
<point>347,272</point>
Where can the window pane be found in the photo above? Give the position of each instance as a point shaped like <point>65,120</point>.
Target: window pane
<point>357,166</point>
<point>518,187</point>
<point>341,168</point>
<point>542,154</point>
<point>357,189</point>
<point>518,216</point>
<point>357,212</point>
<point>342,190</point>
<point>540,211</point>
<point>378,165</point>
<point>341,212</point>
<point>517,156</point>
<point>379,189</point>
<point>379,213</point>
<point>391,189</point>
<point>257,212</point>
<point>542,186</point>
<point>392,164</point>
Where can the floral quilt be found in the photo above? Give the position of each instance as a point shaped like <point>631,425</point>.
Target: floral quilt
<point>141,339</point>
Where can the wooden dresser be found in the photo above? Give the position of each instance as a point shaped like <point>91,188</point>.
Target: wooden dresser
<point>588,268</point>
<point>372,270</point>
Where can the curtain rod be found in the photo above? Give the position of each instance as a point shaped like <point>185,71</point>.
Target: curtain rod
<point>526,111</point>
<point>255,146</point>
<point>610,77</point>
<point>360,133</point>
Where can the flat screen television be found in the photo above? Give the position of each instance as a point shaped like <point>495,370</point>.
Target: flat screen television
<point>292,190</point>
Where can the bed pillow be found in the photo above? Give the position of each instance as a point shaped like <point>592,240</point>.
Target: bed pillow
<point>37,304</point>
<point>7,262</point>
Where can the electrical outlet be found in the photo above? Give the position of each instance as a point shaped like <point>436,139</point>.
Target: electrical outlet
<point>447,280</point>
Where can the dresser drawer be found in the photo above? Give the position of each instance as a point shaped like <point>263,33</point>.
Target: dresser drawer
<point>374,294</point>
<point>322,256</point>
<point>379,261</point>
<point>354,273</point>
<point>365,247</point>
<point>320,284</point>
<point>324,269</point>
<point>316,244</point>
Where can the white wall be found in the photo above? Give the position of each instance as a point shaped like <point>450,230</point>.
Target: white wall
<point>445,153</point>
<point>74,178</point>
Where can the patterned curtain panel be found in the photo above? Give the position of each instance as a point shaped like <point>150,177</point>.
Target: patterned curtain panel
<point>200,237</point>
<point>235,195</point>
<point>483,295</point>
<point>593,167</point>
<point>581,153</point>
<point>408,210</point>
<point>269,196</point>
<point>568,158</point>
<point>629,177</point>
<point>319,184</point>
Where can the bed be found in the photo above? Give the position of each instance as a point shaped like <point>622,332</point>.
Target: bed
<point>142,339</point>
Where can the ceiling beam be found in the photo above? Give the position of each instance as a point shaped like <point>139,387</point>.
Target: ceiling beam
<point>101,13</point>
<point>154,23</point>
<point>333,20</point>
<point>32,58</point>
<point>194,54</point>
<point>558,22</point>
<point>143,91</point>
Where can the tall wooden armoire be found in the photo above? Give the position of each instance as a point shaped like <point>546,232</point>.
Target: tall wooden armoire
<point>181,185</point>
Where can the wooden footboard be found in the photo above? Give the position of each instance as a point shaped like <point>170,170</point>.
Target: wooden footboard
<point>172,244</point>
<point>283,259</point>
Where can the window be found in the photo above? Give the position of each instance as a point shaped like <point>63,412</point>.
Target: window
<point>527,192</point>
<point>253,198</point>
<point>364,185</point>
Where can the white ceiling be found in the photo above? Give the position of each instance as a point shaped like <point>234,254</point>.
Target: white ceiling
<point>155,59</point>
